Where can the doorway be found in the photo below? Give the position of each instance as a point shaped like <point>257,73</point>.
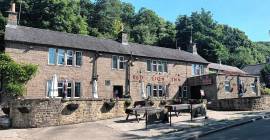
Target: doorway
<point>195,92</point>
<point>118,91</point>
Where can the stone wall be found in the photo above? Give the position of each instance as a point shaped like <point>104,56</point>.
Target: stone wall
<point>244,104</point>
<point>54,112</point>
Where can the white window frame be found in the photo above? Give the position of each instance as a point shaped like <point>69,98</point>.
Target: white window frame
<point>160,67</point>
<point>253,85</point>
<point>165,65</point>
<point>155,88</point>
<point>227,84</point>
<point>55,56</point>
<point>70,56</point>
<point>161,88</point>
<point>154,65</point>
<point>69,82</point>
<point>184,92</point>
<point>75,56</point>
<point>63,56</point>
<point>121,61</point>
<point>150,65</point>
<point>116,62</point>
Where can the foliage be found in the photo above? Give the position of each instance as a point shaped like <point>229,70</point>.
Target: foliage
<point>127,103</point>
<point>14,76</point>
<point>265,74</point>
<point>265,91</point>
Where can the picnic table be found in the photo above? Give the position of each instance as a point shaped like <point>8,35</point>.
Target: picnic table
<point>137,111</point>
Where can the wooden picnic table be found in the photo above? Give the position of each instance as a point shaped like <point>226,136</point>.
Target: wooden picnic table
<point>137,111</point>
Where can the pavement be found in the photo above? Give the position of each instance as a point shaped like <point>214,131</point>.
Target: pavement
<point>119,128</point>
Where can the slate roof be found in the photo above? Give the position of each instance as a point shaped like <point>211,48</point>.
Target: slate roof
<point>225,68</point>
<point>61,39</point>
<point>253,69</point>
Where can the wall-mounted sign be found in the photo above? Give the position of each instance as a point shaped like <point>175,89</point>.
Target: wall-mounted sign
<point>157,78</point>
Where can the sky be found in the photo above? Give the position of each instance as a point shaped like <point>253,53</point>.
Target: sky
<point>250,16</point>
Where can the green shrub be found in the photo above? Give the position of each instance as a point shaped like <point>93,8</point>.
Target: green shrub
<point>265,91</point>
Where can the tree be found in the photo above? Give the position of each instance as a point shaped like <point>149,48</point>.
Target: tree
<point>265,74</point>
<point>14,76</point>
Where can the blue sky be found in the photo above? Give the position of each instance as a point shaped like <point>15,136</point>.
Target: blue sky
<point>250,16</point>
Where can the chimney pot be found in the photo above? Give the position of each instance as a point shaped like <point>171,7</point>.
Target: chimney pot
<point>192,48</point>
<point>12,15</point>
<point>123,38</point>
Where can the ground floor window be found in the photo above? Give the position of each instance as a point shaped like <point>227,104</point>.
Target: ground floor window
<point>69,86</point>
<point>227,86</point>
<point>156,90</point>
<point>253,87</point>
<point>184,92</point>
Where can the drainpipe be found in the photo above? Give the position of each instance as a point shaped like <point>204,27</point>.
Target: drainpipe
<point>95,75</point>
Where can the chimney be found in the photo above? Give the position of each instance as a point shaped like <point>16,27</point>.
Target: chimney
<point>192,48</point>
<point>12,15</point>
<point>123,38</point>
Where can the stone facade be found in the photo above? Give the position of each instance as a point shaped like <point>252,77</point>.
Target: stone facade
<point>214,86</point>
<point>176,76</point>
<point>241,104</point>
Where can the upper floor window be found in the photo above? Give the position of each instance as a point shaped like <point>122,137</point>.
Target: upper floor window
<point>69,57</point>
<point>253,87</point>
<point>61,57</point>
<point>157,66</point>
<point>52,55</point>
<point>78,55</point>
<point>197,69</point>
<point>118,62</point>
<point>227,86</point>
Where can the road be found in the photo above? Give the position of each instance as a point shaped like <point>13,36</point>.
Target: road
<point>258,130</point>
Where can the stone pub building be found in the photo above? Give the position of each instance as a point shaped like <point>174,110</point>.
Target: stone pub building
<point>100,68</point>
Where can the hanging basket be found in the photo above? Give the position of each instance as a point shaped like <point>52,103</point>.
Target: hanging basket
<point>109,104</point>
<point>127,103</point>
<point>163,102</point>
<point>24,109</point>
<point>72,106</point>
<point>6,110</point>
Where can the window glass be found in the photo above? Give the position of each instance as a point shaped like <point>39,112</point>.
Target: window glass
<point>114,62</point>
<point>60,89</point>
<point>184,92</point>
<point>69,89</point>
<point>155,92</point>
<point>253,87</point>
<point>121,62</point>
<point>52,53</point>
<point>69,57</point>
<point>160,91</point>
<point>227,86</point>
<point>61,56</point>
<point>78,58</point>
<point>154,65</point>
<point>160,66</point>
<point>148,90</point>
<point>201,69</point>
<point>49,88</point>
<point>148,65</point>
<point>77,89</point>
<point>165,66</point>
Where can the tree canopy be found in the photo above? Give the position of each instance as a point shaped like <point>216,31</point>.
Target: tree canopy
<point>107,18</point>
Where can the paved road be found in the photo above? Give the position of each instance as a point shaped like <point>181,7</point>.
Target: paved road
<point>259,130</point>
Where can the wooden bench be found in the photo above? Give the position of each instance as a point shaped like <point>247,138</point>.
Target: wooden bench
<point>139,108</point>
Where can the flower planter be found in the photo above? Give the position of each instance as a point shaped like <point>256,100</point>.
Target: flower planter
<point>72,106</point>
<point>6,110</point>
<point>24,109</point>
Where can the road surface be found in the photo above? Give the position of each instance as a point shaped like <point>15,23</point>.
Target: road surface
<point>258,130</point>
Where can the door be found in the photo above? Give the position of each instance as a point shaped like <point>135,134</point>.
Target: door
<point>195,92</point>
<point>118,91</point>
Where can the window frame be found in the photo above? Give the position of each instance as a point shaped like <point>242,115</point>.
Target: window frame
<point>160,67</point>
<point>165,66</point>
<point>253,85</point>
<point>80,94</point>
<point>81,61</point>
<point>121,61</point>
<point>55,56</point>
<point>184,91</point>
<point>68,56</point>
<point>149,65</point>
<point>225,85</point>
<point>64,55</point>
<point>154,66</point>
<point>115,63</point>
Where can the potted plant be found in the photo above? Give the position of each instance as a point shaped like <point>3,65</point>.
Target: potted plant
<point>163,102</point>
<point>110,103</point>
<point>127,103</point>
<point>24,109</point>
<point>6,110</point>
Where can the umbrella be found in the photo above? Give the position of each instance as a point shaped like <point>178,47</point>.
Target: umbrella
<point>95,94</point>
<point>54,90</point>
<point>142,90</point>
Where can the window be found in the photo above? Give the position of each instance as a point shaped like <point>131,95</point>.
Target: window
<point>52,53</point>
<point>148,90</point>
<point>165,66</point>
<point>49,88</point>
<point>160,66</point>
<point>253,87</point>
<point>197,69</point>
<point>61,57</point>
<point>155,91</point>
<point>121,62</point>
<point>114,62</point>
<point>69,89</point>
<point>227,86</point>
<point>60,89</point>
<point>184,92</point>
<point>154,65</point>
<point>69,57</point>
<point>78,58</point>
<point>160,91</point>
<point>77,89</point>
<point>148,63</point>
